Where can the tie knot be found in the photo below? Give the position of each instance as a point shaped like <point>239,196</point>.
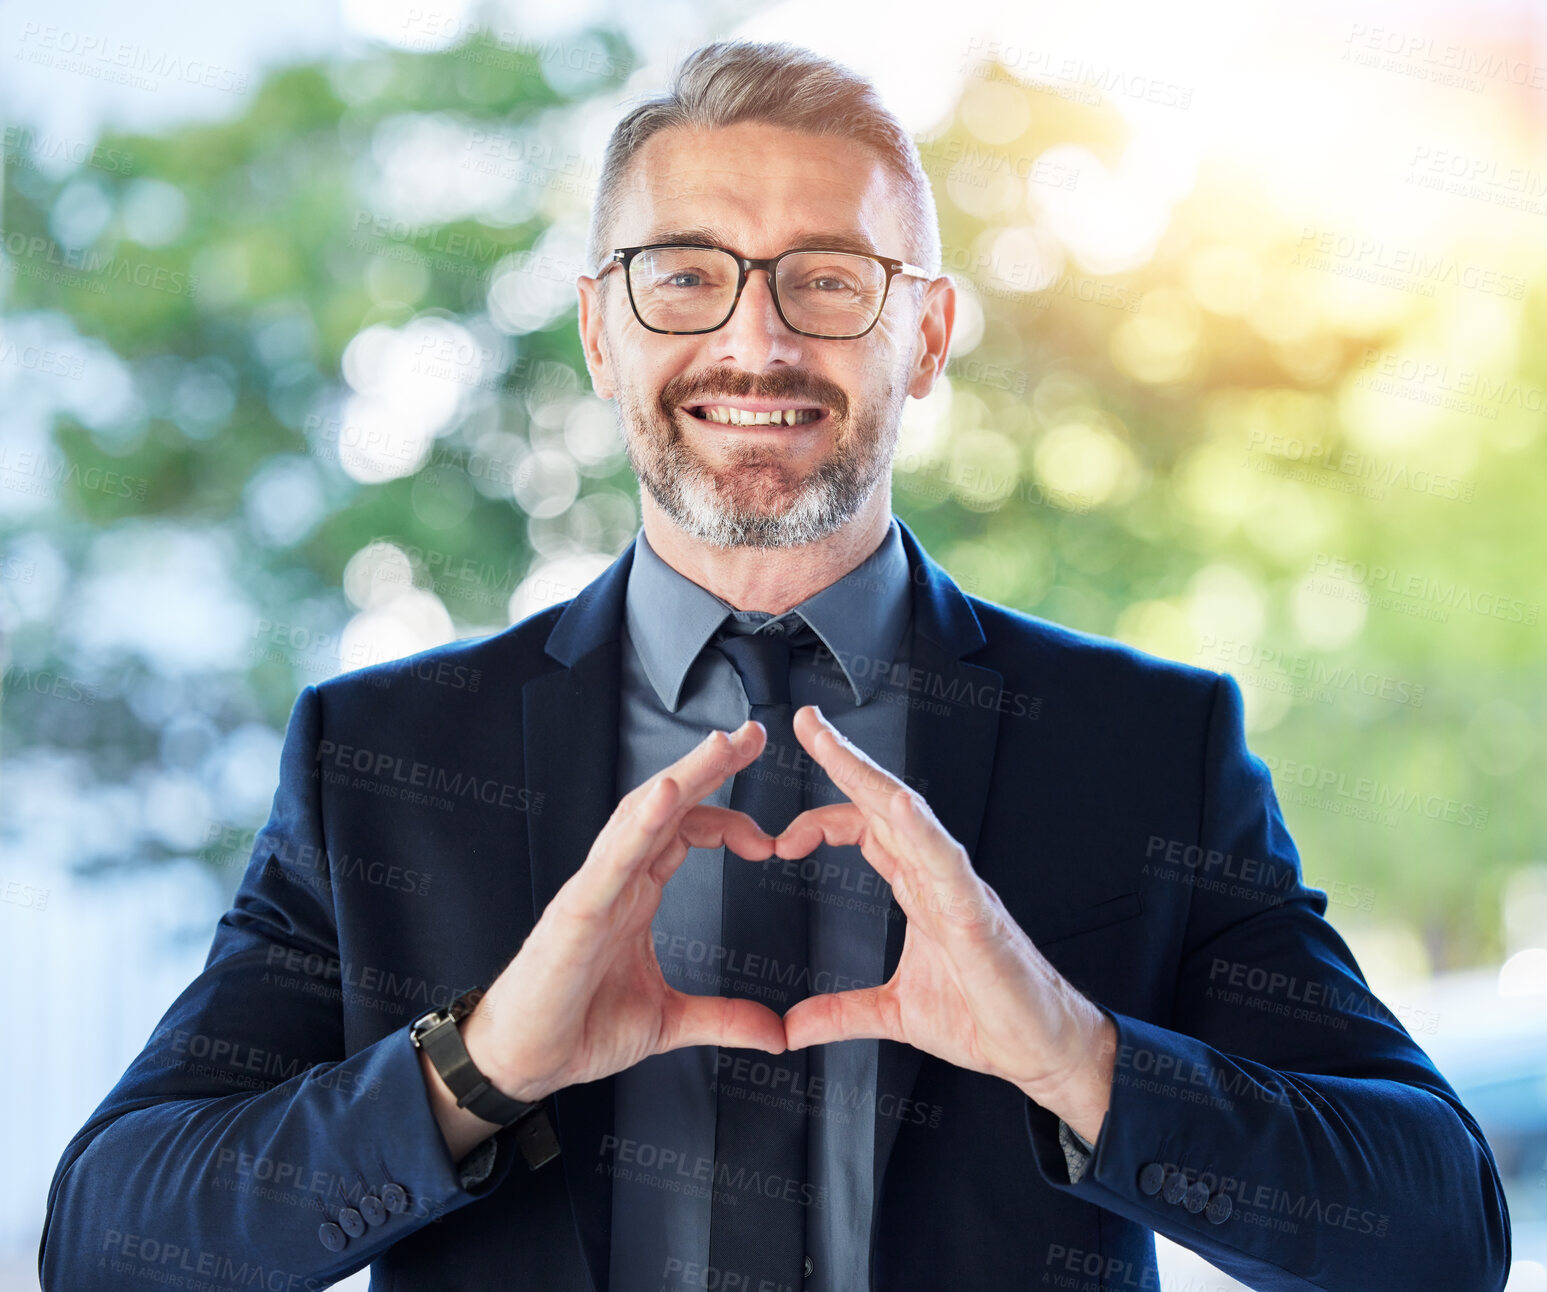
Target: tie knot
<point>763,660</point>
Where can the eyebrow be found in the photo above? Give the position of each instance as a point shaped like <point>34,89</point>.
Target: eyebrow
<point>806,239</point>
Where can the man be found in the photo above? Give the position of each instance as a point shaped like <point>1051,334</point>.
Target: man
<point>978,952</point>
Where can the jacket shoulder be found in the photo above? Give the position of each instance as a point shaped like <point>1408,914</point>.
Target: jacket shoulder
<point>496,662</point>
<point>1022,644</point>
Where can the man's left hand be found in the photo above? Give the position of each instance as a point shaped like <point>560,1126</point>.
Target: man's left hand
<point>970,987</point>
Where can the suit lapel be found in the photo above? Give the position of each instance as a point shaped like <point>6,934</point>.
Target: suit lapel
<point>570,732</point>
<point>953,727</point>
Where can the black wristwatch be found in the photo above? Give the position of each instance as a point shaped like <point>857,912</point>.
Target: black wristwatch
<point>438,1035</point>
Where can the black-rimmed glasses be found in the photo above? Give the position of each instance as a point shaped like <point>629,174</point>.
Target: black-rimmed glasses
<point>684,290</point>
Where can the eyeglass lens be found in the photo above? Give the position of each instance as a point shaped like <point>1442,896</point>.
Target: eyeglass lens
<point>691,289</point>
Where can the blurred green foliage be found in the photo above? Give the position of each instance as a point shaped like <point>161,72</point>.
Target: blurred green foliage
<point>1190,452</point>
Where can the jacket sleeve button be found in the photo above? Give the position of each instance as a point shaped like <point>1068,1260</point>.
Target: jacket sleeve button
<point>331,1236</point>
<point>1151,1178</point>
<point>1197,1197</point>
<point>1219,1208</point>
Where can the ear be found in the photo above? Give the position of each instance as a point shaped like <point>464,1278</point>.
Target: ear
<point>936,321</point>
<point>593,341</point>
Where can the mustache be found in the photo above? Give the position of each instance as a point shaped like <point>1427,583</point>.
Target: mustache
<point>736,383</point>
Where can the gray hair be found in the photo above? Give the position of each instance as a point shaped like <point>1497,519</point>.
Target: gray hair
<point>778,84</point>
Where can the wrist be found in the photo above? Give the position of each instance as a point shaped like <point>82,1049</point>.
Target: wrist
<point>1081,1093</point>
<point>462,1130</point>
<point>468,1103</point>
<point>440,1035</point>
<point>478,1036</point>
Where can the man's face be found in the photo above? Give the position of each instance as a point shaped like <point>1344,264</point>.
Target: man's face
<point>759,190</point>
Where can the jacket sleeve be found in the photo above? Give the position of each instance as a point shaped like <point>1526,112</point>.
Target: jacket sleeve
<point>1283,1124</point>
<point>243,1126</point>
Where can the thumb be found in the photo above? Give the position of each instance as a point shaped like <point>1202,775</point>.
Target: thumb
<point>719,1020</point>
<point>838,1016</point>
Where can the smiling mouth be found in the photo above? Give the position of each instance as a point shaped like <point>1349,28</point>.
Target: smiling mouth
<point>730,415</point>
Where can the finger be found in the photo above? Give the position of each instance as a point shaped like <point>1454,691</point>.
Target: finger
<point>710,763</point>
<point>853,771</point>
<point>899,819</point>
<point>925,867</point>
<point>836,824</point>
<point>719,1020</point>
<point>707,826</point>
<point>647,820</point>
<point>697,774</point>
<point>632,835</point>
<point>840,1016</point>
<point>915,832</point>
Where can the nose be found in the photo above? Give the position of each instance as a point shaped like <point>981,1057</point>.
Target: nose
<point>754,337</point>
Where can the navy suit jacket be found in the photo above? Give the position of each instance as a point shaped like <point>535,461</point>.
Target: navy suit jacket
<point>429,808</point>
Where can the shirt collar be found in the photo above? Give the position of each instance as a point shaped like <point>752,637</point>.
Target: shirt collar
<point>860,617</point>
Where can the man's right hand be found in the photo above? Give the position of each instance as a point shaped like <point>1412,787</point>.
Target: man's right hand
<point>584,997</point>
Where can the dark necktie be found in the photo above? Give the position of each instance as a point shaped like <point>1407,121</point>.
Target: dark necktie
<point>758,1214</point>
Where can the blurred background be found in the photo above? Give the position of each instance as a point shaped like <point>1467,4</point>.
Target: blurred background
<point>1250,371</point>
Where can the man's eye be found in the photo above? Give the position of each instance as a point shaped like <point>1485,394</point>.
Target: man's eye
<point>686,278</point>
<point>828,283</point>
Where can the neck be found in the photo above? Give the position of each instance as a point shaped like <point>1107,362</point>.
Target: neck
<point>771,579</point>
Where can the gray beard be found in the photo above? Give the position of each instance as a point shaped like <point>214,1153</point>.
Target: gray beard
<point>753,502</point>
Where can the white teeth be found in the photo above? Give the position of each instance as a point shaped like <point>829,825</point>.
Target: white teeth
<point>744,417</point>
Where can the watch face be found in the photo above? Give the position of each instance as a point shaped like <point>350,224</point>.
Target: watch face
<point>425,1023</point>
<point>464,1004</point>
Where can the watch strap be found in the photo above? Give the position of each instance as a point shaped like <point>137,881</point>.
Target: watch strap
<point>439,1035</point>
<point>539,1142</point>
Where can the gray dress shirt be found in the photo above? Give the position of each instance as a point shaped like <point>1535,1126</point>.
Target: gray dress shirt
<point>674,691</point>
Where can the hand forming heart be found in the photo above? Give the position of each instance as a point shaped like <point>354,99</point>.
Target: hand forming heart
<point>970,988</point>
<point>584,997</point>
